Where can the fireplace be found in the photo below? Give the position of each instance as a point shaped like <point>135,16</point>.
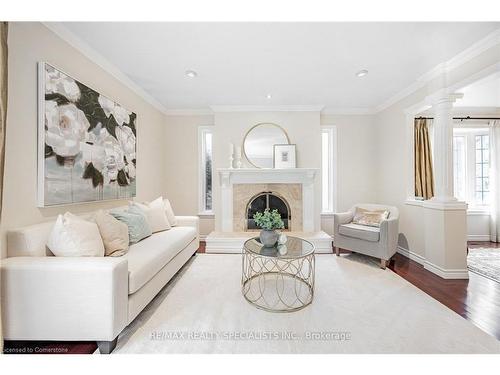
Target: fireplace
<point>272,201</point>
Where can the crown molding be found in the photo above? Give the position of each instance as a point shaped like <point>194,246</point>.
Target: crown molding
<point>189,112</point>
<point>266,108</point>
<point>347,111</point>
<point>73,40</point>
<point>491,40</point>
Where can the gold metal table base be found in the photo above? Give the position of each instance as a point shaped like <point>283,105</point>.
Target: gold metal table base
<point>278,284</point>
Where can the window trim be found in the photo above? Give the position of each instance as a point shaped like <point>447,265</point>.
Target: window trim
<point>333,170</point>
<point>202,130</point>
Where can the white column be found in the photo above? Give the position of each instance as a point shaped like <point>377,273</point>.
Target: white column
<point>443,147</point>
<point>445,219</point>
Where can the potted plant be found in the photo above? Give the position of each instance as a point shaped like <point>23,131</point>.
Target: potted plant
<point>268,221</point>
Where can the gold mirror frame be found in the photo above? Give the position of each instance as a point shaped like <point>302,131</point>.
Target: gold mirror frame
<point>252,128</point>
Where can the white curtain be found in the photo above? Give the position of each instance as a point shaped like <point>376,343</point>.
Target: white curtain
<point>495,181</point>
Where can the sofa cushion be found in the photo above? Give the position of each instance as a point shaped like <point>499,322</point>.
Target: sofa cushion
<point>361,232</point>
<point>148,257</point>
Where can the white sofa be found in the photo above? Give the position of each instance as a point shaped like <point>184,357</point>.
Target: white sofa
<point>44,297</point>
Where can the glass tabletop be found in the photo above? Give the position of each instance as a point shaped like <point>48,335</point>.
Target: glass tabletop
<point>293,247</point>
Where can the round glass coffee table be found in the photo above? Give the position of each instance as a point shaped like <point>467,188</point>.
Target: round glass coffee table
<point>279,278</point>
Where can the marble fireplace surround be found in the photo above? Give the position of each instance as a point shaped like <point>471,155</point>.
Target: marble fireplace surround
<point>243,193</point>
<point>231,181</point>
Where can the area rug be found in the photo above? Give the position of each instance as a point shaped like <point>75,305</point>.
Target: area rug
<point>485,262</point>
<point>357,308</point>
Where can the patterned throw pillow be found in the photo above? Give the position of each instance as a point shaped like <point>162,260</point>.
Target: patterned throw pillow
<point>369,218</point>
<point>138,226</point>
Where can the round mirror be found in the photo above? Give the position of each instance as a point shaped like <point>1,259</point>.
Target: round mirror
<point>259,142</point>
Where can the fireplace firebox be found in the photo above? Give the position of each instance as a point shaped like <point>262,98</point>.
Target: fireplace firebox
<point>271,200</point>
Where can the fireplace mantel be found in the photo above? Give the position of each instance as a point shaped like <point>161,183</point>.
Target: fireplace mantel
<point>304,176</point>
<point>257,176</point>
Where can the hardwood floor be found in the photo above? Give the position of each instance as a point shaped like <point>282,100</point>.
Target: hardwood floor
<point>476,299</point>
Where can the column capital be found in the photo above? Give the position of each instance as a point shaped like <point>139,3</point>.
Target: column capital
<point>443,97</point>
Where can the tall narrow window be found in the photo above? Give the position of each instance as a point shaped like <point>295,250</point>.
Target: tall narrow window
<point>205,169</point>
<point>328,169</point>
<point>482,190</point>
<point>471,164</point>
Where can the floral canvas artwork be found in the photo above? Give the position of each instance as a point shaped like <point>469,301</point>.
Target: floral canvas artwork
<point>87,143</point>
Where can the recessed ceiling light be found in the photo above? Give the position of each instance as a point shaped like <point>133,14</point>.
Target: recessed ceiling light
<point>191,73</point>
<point>269,96</point>
<point>362,73</point>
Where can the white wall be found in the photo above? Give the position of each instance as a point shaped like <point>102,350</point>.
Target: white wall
<point>30,43</point>
<point>478,226</point>
<point>181,149</point>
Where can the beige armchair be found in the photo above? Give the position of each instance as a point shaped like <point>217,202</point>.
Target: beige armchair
<point>377,242</point>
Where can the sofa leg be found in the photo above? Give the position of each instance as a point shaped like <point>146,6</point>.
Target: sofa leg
<point>383,263</point>
<point>106,347</point>
<point>337,251</point>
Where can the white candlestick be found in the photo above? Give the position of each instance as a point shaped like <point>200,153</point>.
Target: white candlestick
<point>238,152</point>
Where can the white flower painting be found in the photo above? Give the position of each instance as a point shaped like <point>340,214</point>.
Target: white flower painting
<point>87,143</point>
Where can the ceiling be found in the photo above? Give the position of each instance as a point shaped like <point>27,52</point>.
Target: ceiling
<point>483,93</point>
<point>296,63</point>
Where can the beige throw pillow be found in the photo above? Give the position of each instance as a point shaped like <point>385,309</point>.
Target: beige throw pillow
<point>170,213</point>
<point>72,236</point>
<point>155,214</point>
<point>114,234</point>
<point>369,218</point>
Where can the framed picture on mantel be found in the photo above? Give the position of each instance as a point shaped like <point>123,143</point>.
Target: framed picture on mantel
<point>284,156</point>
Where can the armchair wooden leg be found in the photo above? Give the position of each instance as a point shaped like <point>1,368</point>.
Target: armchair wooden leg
<point>383,263</point>
<point>337,251</point>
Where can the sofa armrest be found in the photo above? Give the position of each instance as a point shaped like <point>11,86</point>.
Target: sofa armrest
<point>188,221</point>
<point>340,218</point>
<point>62,298</point>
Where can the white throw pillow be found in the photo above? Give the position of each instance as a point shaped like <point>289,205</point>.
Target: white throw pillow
<point>155,214</point>
<point>170,213</point>
<point>75,237</point>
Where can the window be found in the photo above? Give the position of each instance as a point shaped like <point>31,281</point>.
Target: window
<point>328,169</point>
<point>482,189</point>
<point>471,166</point>
<point>205,169</point>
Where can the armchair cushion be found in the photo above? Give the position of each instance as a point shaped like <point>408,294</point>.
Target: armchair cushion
<point>361,232</point>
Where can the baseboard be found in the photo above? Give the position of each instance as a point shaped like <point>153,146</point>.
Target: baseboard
<point>478,237</point>
<point>441,272</point>
<point>447,274</point>
<point>411,255</point>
